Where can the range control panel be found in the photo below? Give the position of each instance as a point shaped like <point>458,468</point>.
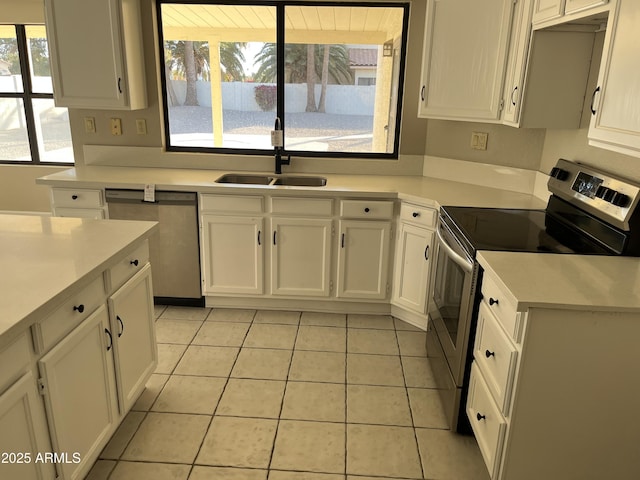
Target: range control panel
<point>602,194</point>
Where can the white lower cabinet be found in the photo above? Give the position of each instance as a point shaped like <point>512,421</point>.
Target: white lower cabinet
<point>363,259</point>
<point>133,332</point>
<point>232,254</point>
<point>301,256</point>
<point>79,388</point>
<point>26,434</point>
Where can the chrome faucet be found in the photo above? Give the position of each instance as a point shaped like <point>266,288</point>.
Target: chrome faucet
<point>277,141</point>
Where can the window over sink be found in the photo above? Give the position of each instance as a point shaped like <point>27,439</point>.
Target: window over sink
<point>332,73</point>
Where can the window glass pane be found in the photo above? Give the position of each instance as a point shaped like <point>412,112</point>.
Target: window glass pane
<point>212,54</point>
<point>10,78</point>
<point>39,59</point>
<point>14,140</point>
<point>341,90</point>
<point>52,129</point>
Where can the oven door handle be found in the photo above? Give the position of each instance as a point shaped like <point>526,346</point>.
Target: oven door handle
<point>461,261</point>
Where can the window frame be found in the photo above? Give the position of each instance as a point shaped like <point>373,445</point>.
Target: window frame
<point>27,96</point>
<point>280,6</point>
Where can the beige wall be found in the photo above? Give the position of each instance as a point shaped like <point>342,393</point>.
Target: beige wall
<point>18,189</point>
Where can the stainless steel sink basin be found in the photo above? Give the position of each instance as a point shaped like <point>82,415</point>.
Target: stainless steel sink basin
<point>245,179</point>
<point>300,181</point>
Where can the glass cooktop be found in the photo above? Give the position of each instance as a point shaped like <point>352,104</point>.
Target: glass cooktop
<point>503,229</point>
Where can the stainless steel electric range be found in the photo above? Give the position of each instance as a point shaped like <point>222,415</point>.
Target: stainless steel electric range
<point>589,212</point>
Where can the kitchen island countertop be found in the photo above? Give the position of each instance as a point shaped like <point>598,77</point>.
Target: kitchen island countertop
<point>43,258</point>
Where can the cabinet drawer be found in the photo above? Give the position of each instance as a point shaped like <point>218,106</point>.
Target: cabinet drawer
<point>308,207</point>
<point>374,209</point>
<point>488,425</point>
<point>496,356</point>
<point>503,307</point>
<point>231,203</point>
<point>14,360</point>
<point>72,312</point>
<point>128,266</point>
<point>79,212</point>
<point>418,215</point>
<point>78,198</point>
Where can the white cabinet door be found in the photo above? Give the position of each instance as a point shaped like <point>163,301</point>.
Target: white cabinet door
<point>134,340</point>
<point>232,254</point>
<point>465,51</point>
<point>80,392</point>
<point>615,125</point>
<point>363,259</point>
<point>413,262</point>
<point>301,256</point>
<point>24,428</point>
<point>547,10</point>
<point>573,6</point>
<point>96,53</point>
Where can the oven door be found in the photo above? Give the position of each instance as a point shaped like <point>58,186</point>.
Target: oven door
<point>452,301</point>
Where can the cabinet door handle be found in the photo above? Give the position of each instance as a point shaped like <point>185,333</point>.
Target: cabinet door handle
<point>120,84</point>
<point>274,237</point>
<point>342,241</point>
<point>426,253</point>
<point>259,232</point>
<point>480,417</point>
<point>74,197</point>
<point>121,326</point>
<point>110,339</point>
<point>513,92</point>
<point>367,210</point>
<point>79,308</point>
<point>493,301</point>
<point>422,92</point>
<point>134,262</point>
<point>488,353</point>
<point>593,99</point>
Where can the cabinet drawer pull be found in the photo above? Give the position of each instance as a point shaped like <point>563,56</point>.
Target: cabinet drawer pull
<point>489,353</point>
<point>415,214</point>
<point>493,301</point>
<point>480,417</point>
<point>366,210</point>
<point>74,197</point>
<point>110,339</point>
<point>79,308</point>
<point>134,262</point>
<point>121,326</point>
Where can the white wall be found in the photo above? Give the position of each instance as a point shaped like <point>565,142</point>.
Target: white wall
<point>18,189</point>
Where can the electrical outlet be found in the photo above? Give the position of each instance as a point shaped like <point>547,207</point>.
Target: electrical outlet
<point>479,140</point>
<point>90,124</point>
<point>116,126</point>
<point>141,126</point>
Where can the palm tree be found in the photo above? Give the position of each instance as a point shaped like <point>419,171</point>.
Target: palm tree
<point>324,78</point>
<point>231,59</point>
<point>311,80</point>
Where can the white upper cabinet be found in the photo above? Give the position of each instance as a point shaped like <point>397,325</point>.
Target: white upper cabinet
<point>545,10</point>
<point>465,51</point>
<point>615,123</point>
<point>96,53</point>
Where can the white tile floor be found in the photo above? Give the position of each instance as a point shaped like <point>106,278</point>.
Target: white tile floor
<point>246,395</point>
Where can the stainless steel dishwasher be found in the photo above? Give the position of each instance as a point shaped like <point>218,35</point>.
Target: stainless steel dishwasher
<point>174,250</point>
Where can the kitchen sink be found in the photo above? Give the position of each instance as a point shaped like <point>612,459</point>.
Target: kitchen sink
<point>245,179</point>
<point>301,181</point>
<point>287,180</point>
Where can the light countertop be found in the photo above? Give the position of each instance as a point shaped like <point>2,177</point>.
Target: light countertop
<point>567,281</point>
<point>428,191</point>
<point>44,257</point>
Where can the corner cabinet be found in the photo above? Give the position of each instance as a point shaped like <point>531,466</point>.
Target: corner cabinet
<point>465,53</point>
<point>96,62</point>
<point>615,121</point>
<point>414,250</point>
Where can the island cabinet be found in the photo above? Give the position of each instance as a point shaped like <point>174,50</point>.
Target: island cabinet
<point>615,120</point>
<point>97,62</point>
<point>412,269</point>
<point>464,59</point>
<point>550,393</point>
<point>93,355</point>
